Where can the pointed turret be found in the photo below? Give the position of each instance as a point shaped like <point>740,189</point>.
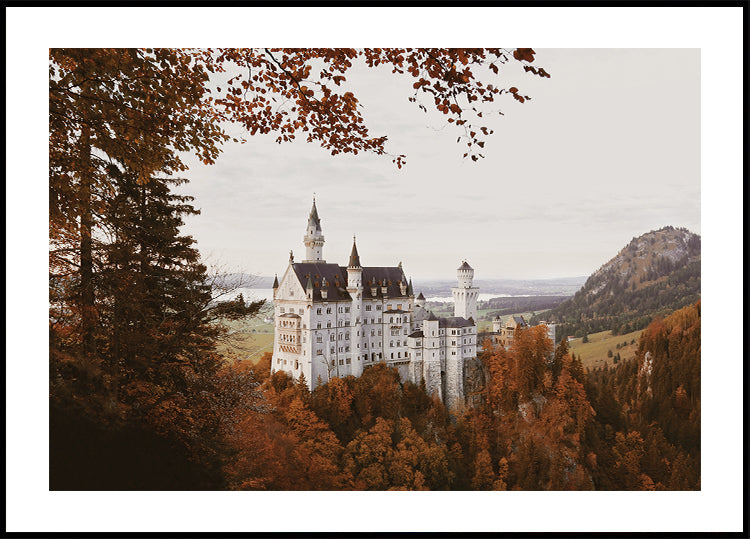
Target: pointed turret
<point>354,270</point>
<point>275,282</point>
<point>314,220</point>
<point>314,239</point>
<point>354,257</point>
<point>410,289</point>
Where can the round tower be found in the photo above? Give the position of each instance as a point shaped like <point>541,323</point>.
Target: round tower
<point>465,295</point>
<point>314,239</point>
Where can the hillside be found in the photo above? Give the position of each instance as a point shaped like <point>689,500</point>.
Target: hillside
<point>655,274</point>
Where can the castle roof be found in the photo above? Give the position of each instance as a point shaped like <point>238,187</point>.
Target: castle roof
<point>432,317</point>
<point>419,314</point>
<point>275,281</point>
<point>465,266</point>
<point>354,257</point>
<point>420,296</point>
<point>416,334</point>
<point>336,280</point>
<point>314,219</point>
<point>455,322</point>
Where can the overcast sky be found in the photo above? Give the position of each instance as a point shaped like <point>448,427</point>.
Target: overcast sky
<point>608,148</point>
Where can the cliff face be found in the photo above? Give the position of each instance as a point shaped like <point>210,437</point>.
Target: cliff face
<point>475,380</point>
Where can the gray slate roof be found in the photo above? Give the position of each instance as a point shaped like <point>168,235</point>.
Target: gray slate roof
<point>336,280</point>
<point>354,257</point>
<point>455,322</point>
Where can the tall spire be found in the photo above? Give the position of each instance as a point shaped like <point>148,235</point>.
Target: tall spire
<point>314,219</point>
<point>354,257</point>
<point>314,239</point>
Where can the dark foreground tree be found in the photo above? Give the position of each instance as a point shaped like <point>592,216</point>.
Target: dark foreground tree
<point>154,373</point>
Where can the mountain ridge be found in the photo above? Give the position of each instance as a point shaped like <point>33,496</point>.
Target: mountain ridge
<point>653,275</point>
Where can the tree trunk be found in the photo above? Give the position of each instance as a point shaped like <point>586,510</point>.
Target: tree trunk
<point>87,297</point>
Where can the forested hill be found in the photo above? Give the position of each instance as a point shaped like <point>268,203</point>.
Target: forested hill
<point>655,274</point>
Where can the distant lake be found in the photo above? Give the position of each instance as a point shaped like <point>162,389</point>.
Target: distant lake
<point>255,294</point>
<point>481,297</point>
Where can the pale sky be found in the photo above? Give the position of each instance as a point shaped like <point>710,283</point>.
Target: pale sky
<point>608,148</point>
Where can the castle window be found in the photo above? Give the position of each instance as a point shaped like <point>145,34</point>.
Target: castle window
<point>391,344</point>
<point>281,309</point>
<point>341,361</point>
<point>328,324</point>
<point>319,338</point>
<point>346,309</point>
<point>398,343</point>
<point>368,307</point>
<point>333,336</point>
<point>379,307</point>
<point>391,356</point>
<point>347,337</point>
<point>398,306</point>
<point>347,349</point>
<point>365,344</point>
<point>372,332</point>
<point>348,361</point>
<point>390,319</point>
<point>390,306</point>
<point>328,310</point>
<point>341,309</point>
<point>399,355</point>
<point>333,350</point>
<point>320,311</point>
<point>318,325</point>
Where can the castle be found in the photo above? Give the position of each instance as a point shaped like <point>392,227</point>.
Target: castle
<point>334,321</point>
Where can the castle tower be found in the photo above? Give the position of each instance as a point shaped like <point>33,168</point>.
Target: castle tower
<point>465,295</point>
<point>354,270</point>
<point>314,239</point>
<point>497,324</point>
<point>431,366</point>
<point>420,301</point>
<point>354,287</point>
